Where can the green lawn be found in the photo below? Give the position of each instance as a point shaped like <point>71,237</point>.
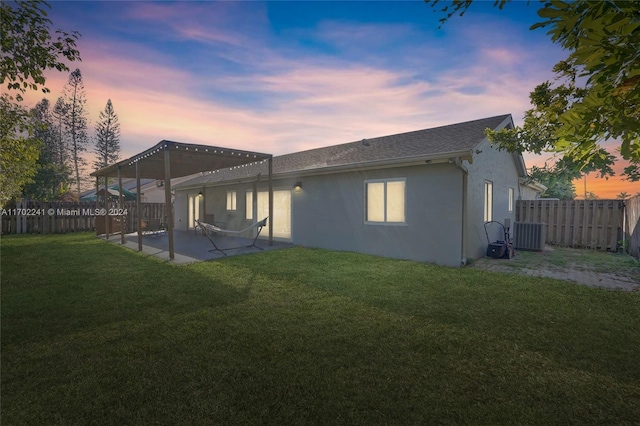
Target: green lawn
<point>96,334</point>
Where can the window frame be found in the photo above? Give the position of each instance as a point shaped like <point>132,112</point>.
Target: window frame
<point>232,200</point>
<point>248,209</point>
<point>385,221</point>
<point>488,201</point>
<point>195,209</point>
<point>512,197</point>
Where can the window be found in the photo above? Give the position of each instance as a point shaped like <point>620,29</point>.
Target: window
<point>231,200</point>
<point>195,208</point>
<point>249,205</point>
<point>281,211</point>
<point>488,201</point>
<point>511,198</point>
<point>385,201</point>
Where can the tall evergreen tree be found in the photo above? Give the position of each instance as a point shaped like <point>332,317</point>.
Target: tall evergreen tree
<point>59,114</point>
<point>76,122</point>
<point>107,137</point>
<point>51,178</point>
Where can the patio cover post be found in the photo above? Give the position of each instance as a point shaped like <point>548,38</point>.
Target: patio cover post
<point>121,206</point>
<point>254,202</point>
<point>106,206</point>
<point>270,201</point>
<point>167,198</point>
<point>138,206</point>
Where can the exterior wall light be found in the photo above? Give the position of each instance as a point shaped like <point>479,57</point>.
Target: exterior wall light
<point>297,187</point>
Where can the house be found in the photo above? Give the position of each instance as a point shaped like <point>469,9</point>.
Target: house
<point>151,190</point>
<point>128,187</point>
<point>422,195</point>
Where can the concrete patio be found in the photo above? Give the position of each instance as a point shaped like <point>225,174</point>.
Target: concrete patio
<point>193,246</point>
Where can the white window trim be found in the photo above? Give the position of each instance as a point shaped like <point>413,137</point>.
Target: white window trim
<point>512,196</point>
<point>487,201</point>
<point>195,210</point>
<point>385,181</point>
<point>233,200</point>
<point>248,208</point>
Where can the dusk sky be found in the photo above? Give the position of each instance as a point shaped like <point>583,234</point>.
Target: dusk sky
<point>281,77</point>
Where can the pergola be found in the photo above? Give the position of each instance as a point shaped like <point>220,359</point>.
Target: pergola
<point>167,160</point>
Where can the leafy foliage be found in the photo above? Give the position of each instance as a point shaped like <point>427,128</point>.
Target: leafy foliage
<point>623,195</point>
<point>107,137</point>
<point>51,179</point>
<point>598,98</point>
<point>559,181</point>
<point>28,48</point>
<point>19,150</point>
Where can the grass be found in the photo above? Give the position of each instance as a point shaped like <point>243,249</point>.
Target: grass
<point>96,334</point>
<point>581,259</point>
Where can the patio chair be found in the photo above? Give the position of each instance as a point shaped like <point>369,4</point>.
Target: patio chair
<point>153,226</point>
<point>210,229</point>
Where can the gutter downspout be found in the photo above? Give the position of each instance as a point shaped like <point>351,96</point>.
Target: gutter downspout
<point>465,231</point>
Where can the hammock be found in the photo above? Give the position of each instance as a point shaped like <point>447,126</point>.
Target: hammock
<point>209,229</point>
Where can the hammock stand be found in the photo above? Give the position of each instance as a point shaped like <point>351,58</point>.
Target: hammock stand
<point>210,229</point>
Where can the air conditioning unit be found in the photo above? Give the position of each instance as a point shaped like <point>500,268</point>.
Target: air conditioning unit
<point>529,236</point>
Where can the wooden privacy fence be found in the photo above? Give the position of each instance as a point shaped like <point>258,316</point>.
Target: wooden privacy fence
<point>594,224</point>
<point>41,217</point>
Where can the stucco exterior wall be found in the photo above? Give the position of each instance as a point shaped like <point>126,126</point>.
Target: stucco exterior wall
<point>498,167</point>
<point>329,212</point>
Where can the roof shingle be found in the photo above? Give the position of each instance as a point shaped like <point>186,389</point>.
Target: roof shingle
<point>421,143</point>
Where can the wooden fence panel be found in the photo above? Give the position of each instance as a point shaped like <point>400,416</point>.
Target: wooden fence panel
<point>594,224</point>
<point>148,211</point>
<point>41,217</point>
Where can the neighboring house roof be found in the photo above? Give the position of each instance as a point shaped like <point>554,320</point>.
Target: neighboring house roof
<point>439,142</point>
<point>113,192</point>
<point>127,184</point>
<point>533,184</point>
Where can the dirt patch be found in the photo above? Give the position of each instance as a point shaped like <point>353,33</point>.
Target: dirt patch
<point>586,267</point>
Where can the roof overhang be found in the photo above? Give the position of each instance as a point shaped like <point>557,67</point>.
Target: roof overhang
<point>183,159</point>
<point>422,160</point>
<point>533,184</point>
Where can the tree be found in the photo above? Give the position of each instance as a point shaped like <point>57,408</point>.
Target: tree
<point>76,122</point>
<point>599,89</point>
<point>591,196</point>
<point>623,196</point>
<point>28,50</point>
<point>559,181</point>
<point>107,137</point>
<point>59,113</point>
<point>51,177</point>
<point>18,150</point>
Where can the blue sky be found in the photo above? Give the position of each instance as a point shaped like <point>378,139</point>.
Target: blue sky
<point>294,75</point>
<point>281,76</point>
